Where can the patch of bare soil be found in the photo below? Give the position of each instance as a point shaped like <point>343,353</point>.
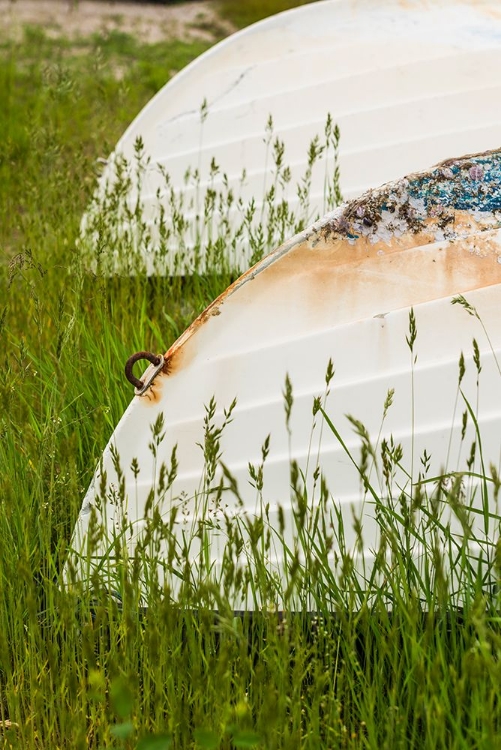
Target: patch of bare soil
<point>151,23</point>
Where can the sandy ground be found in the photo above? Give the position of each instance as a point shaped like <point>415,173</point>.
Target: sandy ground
<point>196,19</point>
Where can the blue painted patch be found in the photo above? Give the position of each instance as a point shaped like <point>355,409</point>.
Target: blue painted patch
<point>472,184</point>
<point>485,33</point>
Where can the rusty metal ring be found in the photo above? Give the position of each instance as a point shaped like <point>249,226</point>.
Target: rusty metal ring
<point>155,359</point>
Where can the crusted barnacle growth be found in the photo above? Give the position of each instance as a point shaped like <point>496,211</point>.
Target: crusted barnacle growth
<point>450,200</point>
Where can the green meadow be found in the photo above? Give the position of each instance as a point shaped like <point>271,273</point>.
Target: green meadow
<point>405,663</point>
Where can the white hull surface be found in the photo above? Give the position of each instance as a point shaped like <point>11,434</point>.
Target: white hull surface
<point>344,291</point>
<point>408,84</point>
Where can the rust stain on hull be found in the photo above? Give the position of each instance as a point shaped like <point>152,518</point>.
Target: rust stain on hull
<point>175,359</point>
<point>367,287</point>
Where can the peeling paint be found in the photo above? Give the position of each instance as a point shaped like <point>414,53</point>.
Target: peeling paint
<point>456,198</point>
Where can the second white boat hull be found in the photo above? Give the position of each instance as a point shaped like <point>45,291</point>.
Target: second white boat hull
<point>408,84</point>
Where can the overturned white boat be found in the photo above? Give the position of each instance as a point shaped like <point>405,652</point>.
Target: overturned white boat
<point>406,84</point>
<point>387,310</point>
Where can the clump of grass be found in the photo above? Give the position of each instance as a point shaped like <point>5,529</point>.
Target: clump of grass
<point>207,224</point>
<point>244,13</point>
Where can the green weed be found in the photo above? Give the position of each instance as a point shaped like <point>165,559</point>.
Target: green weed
<point>208,226</point>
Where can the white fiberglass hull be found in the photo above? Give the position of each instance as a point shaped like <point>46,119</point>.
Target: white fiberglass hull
<point>346,290</point>
<point>408,84</point>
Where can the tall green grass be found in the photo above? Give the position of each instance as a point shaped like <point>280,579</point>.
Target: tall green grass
<point>83,667</point>
<point>207,224</point>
